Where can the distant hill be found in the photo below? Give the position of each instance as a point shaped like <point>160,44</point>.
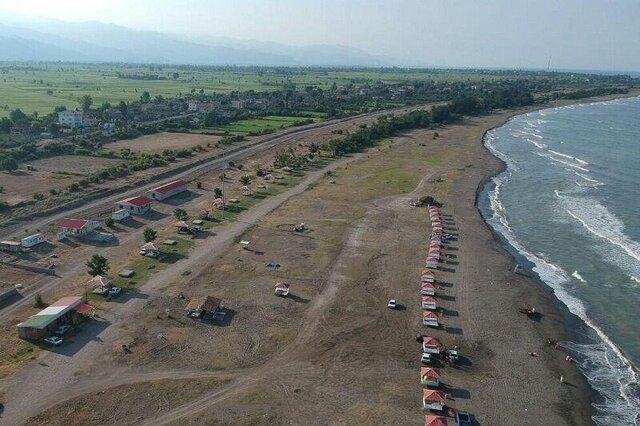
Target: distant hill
<point>51,40</point>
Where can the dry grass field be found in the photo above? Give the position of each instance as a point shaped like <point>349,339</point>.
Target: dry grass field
<point>161,141</point>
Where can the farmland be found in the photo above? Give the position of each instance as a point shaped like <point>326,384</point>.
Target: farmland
<point>40,88</point>
<point>260,125</point>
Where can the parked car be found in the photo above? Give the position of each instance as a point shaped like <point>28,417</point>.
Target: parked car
<point>54,340</point>
<point>114,291</point>
<point>392,304</point>
<point>62,329</point>
<point>463,418</point>
<point>453,356</point>
<point>426,358</point>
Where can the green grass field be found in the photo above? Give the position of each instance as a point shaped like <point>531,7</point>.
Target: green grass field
<point>257,125</point>
<point>40,88</point>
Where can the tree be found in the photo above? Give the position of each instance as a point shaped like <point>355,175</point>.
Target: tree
<point>86,102</point>
<point>109,222</point>
<point>175,75</point>
<point>5,125</point>
<point>38,196</point>
<point>145,98</point>
<point>217,192</point>
<point>17,115</point>
<point>245,180</point>
<point>97,265</point>
<point>38,302</point>
<point>149,234</point>
<point>8,163</point>
<point>180,214</point>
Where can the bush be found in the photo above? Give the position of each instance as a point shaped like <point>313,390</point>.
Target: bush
<point>109,222</point>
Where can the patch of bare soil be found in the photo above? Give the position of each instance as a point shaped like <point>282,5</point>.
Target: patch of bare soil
<point>121,404</point>
<point>160,141</point>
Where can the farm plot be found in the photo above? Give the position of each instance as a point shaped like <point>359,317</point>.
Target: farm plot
<point>161,141</point>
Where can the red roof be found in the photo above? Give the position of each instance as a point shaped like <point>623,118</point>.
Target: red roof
<point>428,286</point>
<point>433,396</point>
<point>431,341</point>
<point>430,420</point>
<point>282,285</point>
<point>429,314</point>
<point>427,272</point>
<point>139,201</point>
<point>432,259</point>
<point>428,299</point>
<point>66,301</point>
<point>71,223</point>
<point>432,373</point>
<point>163,189</point>
<point>84,309</point>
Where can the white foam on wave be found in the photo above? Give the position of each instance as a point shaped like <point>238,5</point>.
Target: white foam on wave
<point>636,279</point>
<point>577,276</point>
<point>584,163</point>
<point>537,144</point>
<point>599,221</point>
<point>566,163</point>
<point>588,179</point>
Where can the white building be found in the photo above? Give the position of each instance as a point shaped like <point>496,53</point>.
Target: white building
<point>33,240</point>
<point>70,118</point>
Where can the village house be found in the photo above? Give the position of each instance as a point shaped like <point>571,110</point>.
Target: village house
<point>168,190</point>
<point>120,215</point>
<point>72,118</point>
<point>430,376</point>
<point>239,103</point>
<point>46,321</point>
<point>431,263</point>
<point>431,420</point>
<point>429,303</point>
<point>427,289</point>
<point>10,246</point>
<point>433,400</point>
<point>77,227</point>
<point>282,289</point>
<point>136,205</point>
<point>430,319</point>
<point>33,240</point>
<point>428,276</point>
<point>431,345</point>
<point>200,306</point>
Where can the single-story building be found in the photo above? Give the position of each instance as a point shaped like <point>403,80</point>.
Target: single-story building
<point>47,320</point>
<point>168,190</point>
<point>77,227</point>
<point>427,289</point>
<point>136,205</point>
<point>33,240</point>
<point>430,376</point>
<point>10,246</point>
<point>430,319</point>
<point>430,420</point>
<point>282,289</point>
<point>149,250</point>
<point>428,276</point>
<point>120,215</point>
<point>433,400</point>
<point>435,253</point>
<point>429,302</point>
<point>431,263</point>
<point>199,306</point>
<point>431,345</point>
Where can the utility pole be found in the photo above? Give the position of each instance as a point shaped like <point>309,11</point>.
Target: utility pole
<point>224,169</point>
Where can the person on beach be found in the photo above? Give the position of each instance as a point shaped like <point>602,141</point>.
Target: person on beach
<point>561,379</point>
<point>534,354</point>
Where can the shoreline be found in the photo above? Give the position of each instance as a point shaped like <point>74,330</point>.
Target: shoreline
<point>572,324</point>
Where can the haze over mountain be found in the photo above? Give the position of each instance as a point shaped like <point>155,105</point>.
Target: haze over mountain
<point>40,39</point>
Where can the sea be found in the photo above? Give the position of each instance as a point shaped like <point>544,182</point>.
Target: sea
<point>567,206</point>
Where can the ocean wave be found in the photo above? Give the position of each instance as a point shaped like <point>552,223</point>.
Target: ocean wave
<point>588,179</point>
<point>566,163</point>
<point>599,221</point>
<point>577,276</point>
<point>537,144</point>
<point>584,163</point>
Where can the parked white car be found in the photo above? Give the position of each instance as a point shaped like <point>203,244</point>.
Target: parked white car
<point>62,329</point>
<point>392,304</point>
<point>426,358</point>
<point>54,340</point>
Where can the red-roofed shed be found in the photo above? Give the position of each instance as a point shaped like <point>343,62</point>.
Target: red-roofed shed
<point>430,420</point>
<point>136,205</point>
<point>168,190</point>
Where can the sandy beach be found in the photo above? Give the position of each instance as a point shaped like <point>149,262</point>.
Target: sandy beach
<point>333,353</point>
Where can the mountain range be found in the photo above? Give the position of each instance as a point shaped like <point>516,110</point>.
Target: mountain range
<point>40,39</point>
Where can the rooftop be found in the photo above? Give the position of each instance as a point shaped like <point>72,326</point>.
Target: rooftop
<point>163,189</point>
<point>71,223</point>
<point>139,201</point>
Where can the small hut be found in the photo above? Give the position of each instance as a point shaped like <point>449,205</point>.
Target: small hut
<point>149,250</point>
<point>246,191</point>
<point>430,319</point>
<point>430,376</point>
<point>282,289</point>
<point>429,302</point>
<point>430,420</point>
<point>427,289</point>
<point>433,400</point>
<point>431,263</point>
<point>428,276</point>
<point>431,345</point>
<point>201,305</point>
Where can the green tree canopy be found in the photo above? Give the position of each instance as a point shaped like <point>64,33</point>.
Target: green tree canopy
<point>97,265</point>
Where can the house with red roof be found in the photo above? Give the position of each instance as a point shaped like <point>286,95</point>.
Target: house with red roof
<point>433,400</point>
<point>430,376</point>
<point>431,345</point>
<point>135,205</point>
<point>168,190</point>
<point>428,276</point>
<point>430,420</point>
<point>431,262</point>
<point>77,227</point>
<point>430,319</point>
<point>427,289</point>
<point>282,289</point>
<point>429,302</point>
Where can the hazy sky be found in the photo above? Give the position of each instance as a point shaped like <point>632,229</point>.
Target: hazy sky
<point>585,34</point>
